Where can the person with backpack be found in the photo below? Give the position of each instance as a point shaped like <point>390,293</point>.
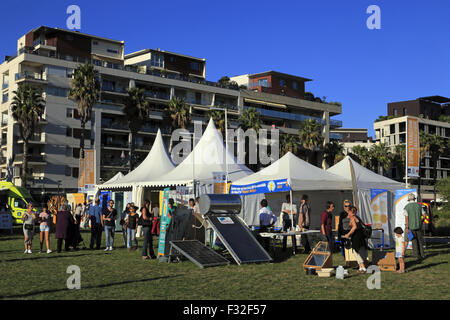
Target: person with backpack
<point>358,239</point>
<point>95,214</point>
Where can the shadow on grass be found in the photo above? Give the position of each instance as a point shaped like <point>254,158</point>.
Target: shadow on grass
<point>106,285</point>
<point>54,256</point>
<point>425,266</point>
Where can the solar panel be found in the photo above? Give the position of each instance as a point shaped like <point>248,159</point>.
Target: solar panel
<point>238,239</point>
<point>199,254</point>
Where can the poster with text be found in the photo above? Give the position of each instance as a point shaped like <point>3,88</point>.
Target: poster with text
<point>379,209</point>
<point>412,149</point>
<point>164,223</point>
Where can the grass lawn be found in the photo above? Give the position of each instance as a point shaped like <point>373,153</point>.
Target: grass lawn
<point>124,275</point>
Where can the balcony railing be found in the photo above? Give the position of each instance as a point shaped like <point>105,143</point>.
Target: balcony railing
<point>157,95</point>
<point>287,116</point>
<point>30,76</point>
<point>31,158</point>
<point>128,68</point>
<point>116,144</point>
<point>113,162</point>
<point>114,125</point>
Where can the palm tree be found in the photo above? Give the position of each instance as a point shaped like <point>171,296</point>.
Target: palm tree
<point>379,156</point>
<point>361,154</point>
<point>310,137</point>
<point>288,143</point>
<point>331,150</point>
<point>437,147</point>
<point>179,113</point>
<point>250,119</point>
<point>85,90</point>
<point>218,117</point>
<point>136,111</point>
<point>398,159</point>
<point>27,108</point>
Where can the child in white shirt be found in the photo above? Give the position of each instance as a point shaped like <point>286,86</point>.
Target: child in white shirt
<point>400,247</point>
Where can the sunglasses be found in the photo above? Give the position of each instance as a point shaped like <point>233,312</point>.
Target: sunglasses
<point>346,206</point>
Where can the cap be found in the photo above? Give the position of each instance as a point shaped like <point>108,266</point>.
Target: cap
<point>411,196</point>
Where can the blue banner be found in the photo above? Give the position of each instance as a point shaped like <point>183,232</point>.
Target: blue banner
<point>261,187</point>
<point>165,220</point>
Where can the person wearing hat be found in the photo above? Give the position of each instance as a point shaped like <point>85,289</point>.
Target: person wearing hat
<point>413,222</point>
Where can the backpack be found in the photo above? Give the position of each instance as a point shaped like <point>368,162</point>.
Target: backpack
<point>367,230</point>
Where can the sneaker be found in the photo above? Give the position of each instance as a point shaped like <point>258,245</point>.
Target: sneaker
<point>107,249</point>
<point>49,251</point>
<point>29,251</point>
<point>26,251</point>
<point>110,248</point>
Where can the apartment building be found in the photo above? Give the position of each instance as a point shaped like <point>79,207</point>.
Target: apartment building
<point>429,111</point>
<point>47,57</point>
<point>350,137</point>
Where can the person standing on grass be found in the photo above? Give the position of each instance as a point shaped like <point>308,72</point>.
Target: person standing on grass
<point>44,218</point>
<point>123,218</point>
<point>64,222</point>
<point>28,227</point>
<point>325,224</point>
<point>400,248</point>
<point>109,218</point>
<point>95,214</point>
<point>356,234</point>
<point>132,222</point>
<point>413,222</point>
<point>147,230</point>
<point>303,222</point>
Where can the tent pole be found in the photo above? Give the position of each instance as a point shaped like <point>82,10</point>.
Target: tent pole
<point>355,195</point>
<point>292,213</point>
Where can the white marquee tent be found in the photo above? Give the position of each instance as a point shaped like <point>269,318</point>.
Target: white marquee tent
<point>208,156</point>
<point>303,178</point>
<point>363,181</point>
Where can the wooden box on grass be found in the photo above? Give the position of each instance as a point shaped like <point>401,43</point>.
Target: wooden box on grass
<point>388,262</point>
<point>320,257</point>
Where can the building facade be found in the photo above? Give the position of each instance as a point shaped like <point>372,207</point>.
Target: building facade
<point>47,58</point>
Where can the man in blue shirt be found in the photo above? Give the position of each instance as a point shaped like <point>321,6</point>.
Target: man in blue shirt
<point>95,215</point>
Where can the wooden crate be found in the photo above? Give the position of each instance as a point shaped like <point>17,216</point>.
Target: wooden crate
<point>388,262</point>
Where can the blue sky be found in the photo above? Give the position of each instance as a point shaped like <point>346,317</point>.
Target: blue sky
<point>324,40</point>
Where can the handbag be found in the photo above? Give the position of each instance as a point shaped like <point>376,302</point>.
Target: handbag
<point>29,227</point>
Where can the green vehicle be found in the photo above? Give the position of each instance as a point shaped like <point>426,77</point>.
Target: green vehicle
<point>17,199</point>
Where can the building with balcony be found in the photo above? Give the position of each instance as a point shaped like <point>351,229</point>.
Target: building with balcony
<point>350,137</point>
<point>391,130</point>
<point>47,57</point>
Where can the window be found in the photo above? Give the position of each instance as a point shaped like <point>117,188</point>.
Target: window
<point>112,51</point>
<point>108,85</point>
<point>392,128</point>
<point>263,82</point>
<point>69,113</point>
<point>68,171</point>
<point>195,66</point>
<point>75,172</point>
<point>95,43</point>
<point>68,132</point>
<point>5,98</point>
<point>157,60</point>
<point>402,127</point>
<point>294,85</point>
<point>76,153</point>
<point>395,112</point>
<point>68,151</point>
<point>404,111</point>
<point>55,91</point>
<point>56,71</point>
<point>282,83</point>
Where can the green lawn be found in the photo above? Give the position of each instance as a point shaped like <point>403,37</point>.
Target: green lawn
<point>123,275</point>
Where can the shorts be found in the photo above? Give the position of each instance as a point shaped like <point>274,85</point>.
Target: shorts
<point>398,255</point>
<point>44,228</point>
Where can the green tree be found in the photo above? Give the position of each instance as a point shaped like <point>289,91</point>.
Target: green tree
<point>443,187</point>
<point>288,143</point>
<point>218,117</point>
<point>437,146</point>
<point>250,119</point>
<point>27,108</point>
<point>136,110</point>
<point>379,156</point>
<point>85,90</point>
<point>361,155</point>
<point>398,159</point>
<point>310,136</point>
<point>331,150</point>
<point>179,113</point>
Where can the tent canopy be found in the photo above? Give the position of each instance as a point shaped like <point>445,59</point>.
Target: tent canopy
<point>298,173</point>
<point>116,178</point>
<point>157,163</point>
<point>364,178</point>
<point>207,157</point>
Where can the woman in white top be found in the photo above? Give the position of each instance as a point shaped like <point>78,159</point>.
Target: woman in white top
<point>28,227</point>
<point>44,227</point>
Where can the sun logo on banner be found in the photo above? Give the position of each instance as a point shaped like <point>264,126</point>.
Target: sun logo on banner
<point>271,186</point>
